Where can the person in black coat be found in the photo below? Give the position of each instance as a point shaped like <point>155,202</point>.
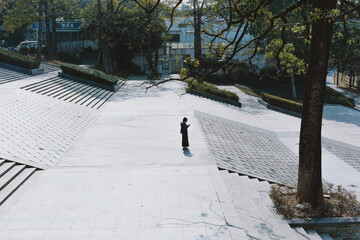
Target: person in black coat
<point>184,132</point>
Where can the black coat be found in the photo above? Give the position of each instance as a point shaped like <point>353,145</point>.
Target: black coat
<point>184,132</point>
<point>184,128</point>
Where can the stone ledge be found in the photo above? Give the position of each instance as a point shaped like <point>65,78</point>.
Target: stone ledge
<point>36,71</point>
<point>213,97</point>
<point>113,88</point>
<point>344,227</point>
<point>279,109</point>
<point>311,222</point>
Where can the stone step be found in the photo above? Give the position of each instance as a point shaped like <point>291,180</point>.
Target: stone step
<point>250,190</point>
<point>10,175</point>
<point>325,236</point>
<point>261,186</point>
<point>2,161</point>
<point>300,231</point>
<point>307,234</point>
<point>313,235</point>
<point>226,204</point>
<point>5,167</point>
<point>258,221</point>
<point>15,184</point>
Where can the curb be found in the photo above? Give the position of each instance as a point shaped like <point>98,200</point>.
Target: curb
<point>346,227</point>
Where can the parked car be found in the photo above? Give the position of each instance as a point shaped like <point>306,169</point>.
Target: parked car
<point>27,44</point>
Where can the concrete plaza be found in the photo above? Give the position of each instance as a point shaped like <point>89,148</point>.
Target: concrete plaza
<point>119,172</point>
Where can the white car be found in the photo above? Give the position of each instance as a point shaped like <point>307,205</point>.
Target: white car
<point>27,44</point>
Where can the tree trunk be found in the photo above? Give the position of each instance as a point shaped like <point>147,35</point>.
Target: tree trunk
<point>156,46</point>
<point>309,178</point>
<point>150,71</point>
<point>293,87</point>
<point>197,31</point>
<point>101,36</point>
<point>48,33</point>
<point>156,58</point>
<point>109,53</point>
<point>40,20</point>
<point>350,78</point>
<point>53,32</point>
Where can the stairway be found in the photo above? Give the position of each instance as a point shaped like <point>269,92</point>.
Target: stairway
<point>73,91</point>
<point>12,176</point>
<point>254,208</point>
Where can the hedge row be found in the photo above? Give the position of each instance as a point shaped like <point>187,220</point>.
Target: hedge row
<point>282,102</point>
<point>334,97</point>
<point>88,74</point>
<point>18,60</point>
<point>211,89</point>
<point>247,90</point>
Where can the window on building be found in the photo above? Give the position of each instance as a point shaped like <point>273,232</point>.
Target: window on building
<point>173,37</point>
<point>165,66</point>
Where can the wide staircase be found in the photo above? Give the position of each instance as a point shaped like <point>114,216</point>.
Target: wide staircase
<point>12,176</point>
<point>255,209</point>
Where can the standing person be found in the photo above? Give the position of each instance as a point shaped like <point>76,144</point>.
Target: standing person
<point>184,132</point>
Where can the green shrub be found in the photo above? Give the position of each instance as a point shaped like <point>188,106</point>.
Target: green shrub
<point>24,50</point>
<point>334,97</point>
<point>32,50</point>
<point>89,74</point>
<point>18,60</point>
<point>282,102</point>
<point>247,90</point>
<point>183,72</point>
<point>211,89</point>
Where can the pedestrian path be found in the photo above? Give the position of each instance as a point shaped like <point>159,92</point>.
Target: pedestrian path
<point>117,203</point>
<point>124,174</point>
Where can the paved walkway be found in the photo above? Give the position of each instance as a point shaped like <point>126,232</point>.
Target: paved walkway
<point>341,132</point>
<point>127,177</point>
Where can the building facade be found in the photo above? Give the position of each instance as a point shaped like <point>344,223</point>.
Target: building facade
<point>179,45</point>
<point>69,34</point>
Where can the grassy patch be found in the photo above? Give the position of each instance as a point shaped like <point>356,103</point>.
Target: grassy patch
<point>282,102</point>
<point>211,89</point>
<point>18,60</point>
<point>89,74</point>
<point>341,203</point>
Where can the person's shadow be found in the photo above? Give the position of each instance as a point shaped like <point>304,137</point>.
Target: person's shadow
<point>187,152</point>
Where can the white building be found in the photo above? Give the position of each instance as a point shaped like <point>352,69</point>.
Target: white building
<point>180,45</point>
<point>69,34</point>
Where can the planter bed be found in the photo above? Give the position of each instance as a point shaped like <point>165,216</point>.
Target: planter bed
<point>279,109</point>
<point>21,63</point>
<point>213,97</point>
<point>90,77</point>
